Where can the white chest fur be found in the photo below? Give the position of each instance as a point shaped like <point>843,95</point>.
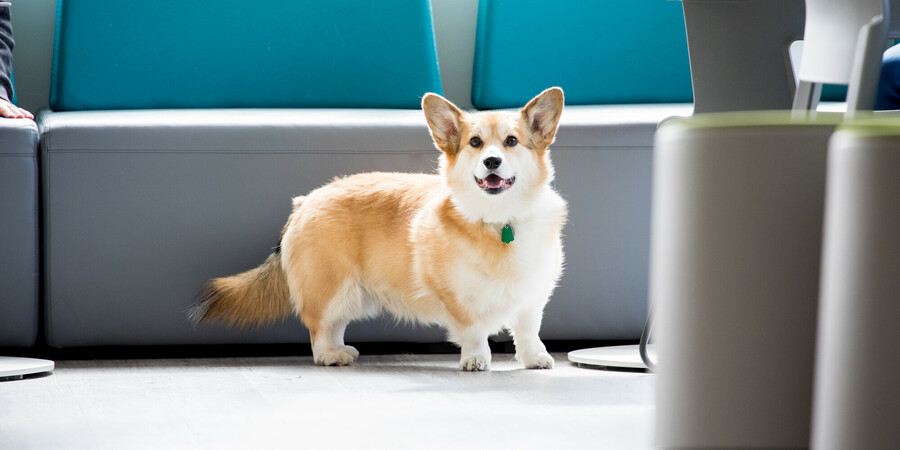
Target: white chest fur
<point>495,291</point>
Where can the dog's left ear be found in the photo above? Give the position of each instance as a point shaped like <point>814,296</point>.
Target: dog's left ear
<point>542,115</point>
<point>443,120</point>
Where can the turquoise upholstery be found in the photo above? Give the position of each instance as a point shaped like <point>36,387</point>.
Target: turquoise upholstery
<point>114,54</point>
<point>598,51</point>
<point>834,93</point>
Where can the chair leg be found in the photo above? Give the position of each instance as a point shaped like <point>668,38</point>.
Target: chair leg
<point>807,98</point>
<point>645,339</point>
<point>866,69</point>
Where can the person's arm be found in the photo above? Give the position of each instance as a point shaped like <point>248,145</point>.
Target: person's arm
<point>7,109</point>
<point>6,47</point>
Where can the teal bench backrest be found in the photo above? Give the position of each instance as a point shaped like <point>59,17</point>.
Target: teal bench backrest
<point>118,54</point>
<point>598,51</point>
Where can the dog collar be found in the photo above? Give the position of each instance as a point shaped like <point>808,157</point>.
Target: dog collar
<point>506,235</point>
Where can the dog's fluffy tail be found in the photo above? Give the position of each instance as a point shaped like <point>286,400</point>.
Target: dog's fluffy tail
<point>256,297</point>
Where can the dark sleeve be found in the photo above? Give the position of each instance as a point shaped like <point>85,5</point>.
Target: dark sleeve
<point>6,47</point>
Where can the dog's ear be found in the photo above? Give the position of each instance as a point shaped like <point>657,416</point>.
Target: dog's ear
<point>542,115</point>
<point>443,120</point>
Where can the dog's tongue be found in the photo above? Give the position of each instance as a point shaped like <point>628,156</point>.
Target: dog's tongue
<point>493,181</point>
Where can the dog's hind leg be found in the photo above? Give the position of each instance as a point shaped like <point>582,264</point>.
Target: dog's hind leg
<point>324,293</point>
<point>328,352</point>
<point>326,329</point>
<point>337,337</point>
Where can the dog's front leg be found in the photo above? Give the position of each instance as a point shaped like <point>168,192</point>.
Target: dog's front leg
<point>475,352</point>
<point>529,348</point>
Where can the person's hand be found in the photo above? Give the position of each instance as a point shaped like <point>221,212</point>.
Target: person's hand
<point>11,111</point>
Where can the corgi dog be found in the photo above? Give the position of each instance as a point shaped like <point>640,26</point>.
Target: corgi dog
<point>475,248</point>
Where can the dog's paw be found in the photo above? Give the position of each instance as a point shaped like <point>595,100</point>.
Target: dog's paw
<point>475,363</point>
<point>541,360</point>
<point>351,350</point>
<point>334,357</point>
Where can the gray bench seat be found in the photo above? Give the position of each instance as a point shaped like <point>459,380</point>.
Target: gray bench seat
<point>142,207</point>
<point>18,233</point>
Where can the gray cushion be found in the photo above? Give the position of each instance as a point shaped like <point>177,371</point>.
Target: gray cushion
<point>18,233</point>
<point>143,207</point>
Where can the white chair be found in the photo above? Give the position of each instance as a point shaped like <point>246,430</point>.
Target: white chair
<point>736,250</point>
<point>857,391</point>
<point>745,44</point>
<point>843,43</point>
<point>736,244</point>
<point>739,53</point>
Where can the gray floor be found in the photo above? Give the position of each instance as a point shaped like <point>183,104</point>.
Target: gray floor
<point>397,401</point>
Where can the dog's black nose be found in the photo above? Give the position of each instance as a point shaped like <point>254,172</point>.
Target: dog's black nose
<point>492,162</point>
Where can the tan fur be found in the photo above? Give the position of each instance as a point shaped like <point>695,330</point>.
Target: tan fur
<point>256,297</point>
<point>402,242</point>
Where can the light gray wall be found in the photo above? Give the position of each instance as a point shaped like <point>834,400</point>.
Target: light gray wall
<point>33,22</point>
<point>454,29</point>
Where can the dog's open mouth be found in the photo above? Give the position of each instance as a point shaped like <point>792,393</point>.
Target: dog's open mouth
<point>495,184</point>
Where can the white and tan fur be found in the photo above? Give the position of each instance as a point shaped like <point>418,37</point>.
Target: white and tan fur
<point>424,247</point>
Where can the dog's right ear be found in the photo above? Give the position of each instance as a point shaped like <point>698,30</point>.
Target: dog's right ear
<point>443,120</point>
<point>542,114</point>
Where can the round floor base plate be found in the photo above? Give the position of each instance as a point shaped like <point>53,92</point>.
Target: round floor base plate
<point>617,357</point>
<point>14,368</point>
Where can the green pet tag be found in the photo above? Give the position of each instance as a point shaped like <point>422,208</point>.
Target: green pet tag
<point>507,234</point>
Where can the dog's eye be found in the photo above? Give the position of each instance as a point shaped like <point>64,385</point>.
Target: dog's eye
<point>475,142</point>
<point>511,141</point>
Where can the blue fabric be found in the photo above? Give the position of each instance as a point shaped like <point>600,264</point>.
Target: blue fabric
<point>115,54</point>
<point>888,96</point>
<point>598,51</point>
